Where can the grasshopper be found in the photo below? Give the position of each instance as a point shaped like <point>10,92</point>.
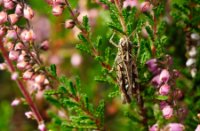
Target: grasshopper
<point>125,68</point>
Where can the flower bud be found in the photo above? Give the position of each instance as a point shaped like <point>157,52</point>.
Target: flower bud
<point>167,112</point>
<point>27,75</point>
<point>15,102</point>
<point>164,89</point>
<point>176,73</point>
<point>130,3</point>
<point>19,10</point>
<point>145,6</point>
<point>190,62</point>
<point>193,72</point>
<point>11,35</point>
<point>13,18</point>
<point>169,59</point>
<point>57,10</point>
<point>9,46</point>
<point>197,128</point>
<point>29,115</point>
<point>27,35</point>
<point>163,104</point>
<point>156,80</point>
<point>22,65</point>
<point>8,4</point>
<point>164,76</point>
<point>76,60</point>
<point>3,17</point>
<point>42,127</point>
<point>195,36</point>
<point>174,127</point>
<point>44,45</point>
<point>193,51</point>
<point>22,57</point>
<point>154,128</point>
<point>3,66</point>
<point>152,65</point>
<point>19,46</point>
<point>28,12</point>
<point>69,24</point>
<point>57,2</point>
<point>46,82</point>
<point>14,76</point>
<point>40,79</point>
<point>178,94</point>
<point>13,55</point>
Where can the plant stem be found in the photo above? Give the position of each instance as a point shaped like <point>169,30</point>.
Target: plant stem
<point>21,86</point>
<point>86,34</point>
<point>118,5</point>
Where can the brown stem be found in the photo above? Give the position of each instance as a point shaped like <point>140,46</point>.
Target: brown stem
<point>123,24</point>
<point>78,100</point>
<point>143,112</point>
<point>85,33</point>
<point>21,86</point>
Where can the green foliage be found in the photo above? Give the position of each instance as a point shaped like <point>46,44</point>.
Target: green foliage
<point>53,70</point>
<point>86,23</point>
<point>69,96</point>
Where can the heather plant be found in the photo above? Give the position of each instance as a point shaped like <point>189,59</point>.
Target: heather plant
<point>101,64</point>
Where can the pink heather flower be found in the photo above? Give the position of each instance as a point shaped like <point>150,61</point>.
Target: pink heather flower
<point>174,127</point>
<point>164,75</point>
<point>11,35</point>
<point>29,115</point>
<point>69,24</point>
<point>40,79</point>
<point>13,55</point>
<point>13,18</point>
<point>3,17</point>
<point>167,112</point>
<point>176,73</point>
<point>56,2</point>
<point>15,102</point>
<point>57,10</point>
<point>156,80</point>
<point>130,3</point>
<point>46,82</point>
<point>197,128</point>
<point>76,60</point>
<point>22,65</point>
<point>14,76</point>
<point>27,35</point>
<point>190,62</point>
<point>19,46</point>
<point>3,66</point>
<point>21,57</point>
<point>145,6</point>
<point>163,104</point>
<point>41,127</point>
<point>45,45</point>
<point>154,128</point>
<point>19,10</point>
<point>152,65</point>
<point>27,75</point>
<point>8,4</point>
<point>28,12</point>
<point>164,89</point>
<point>10,46</point>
